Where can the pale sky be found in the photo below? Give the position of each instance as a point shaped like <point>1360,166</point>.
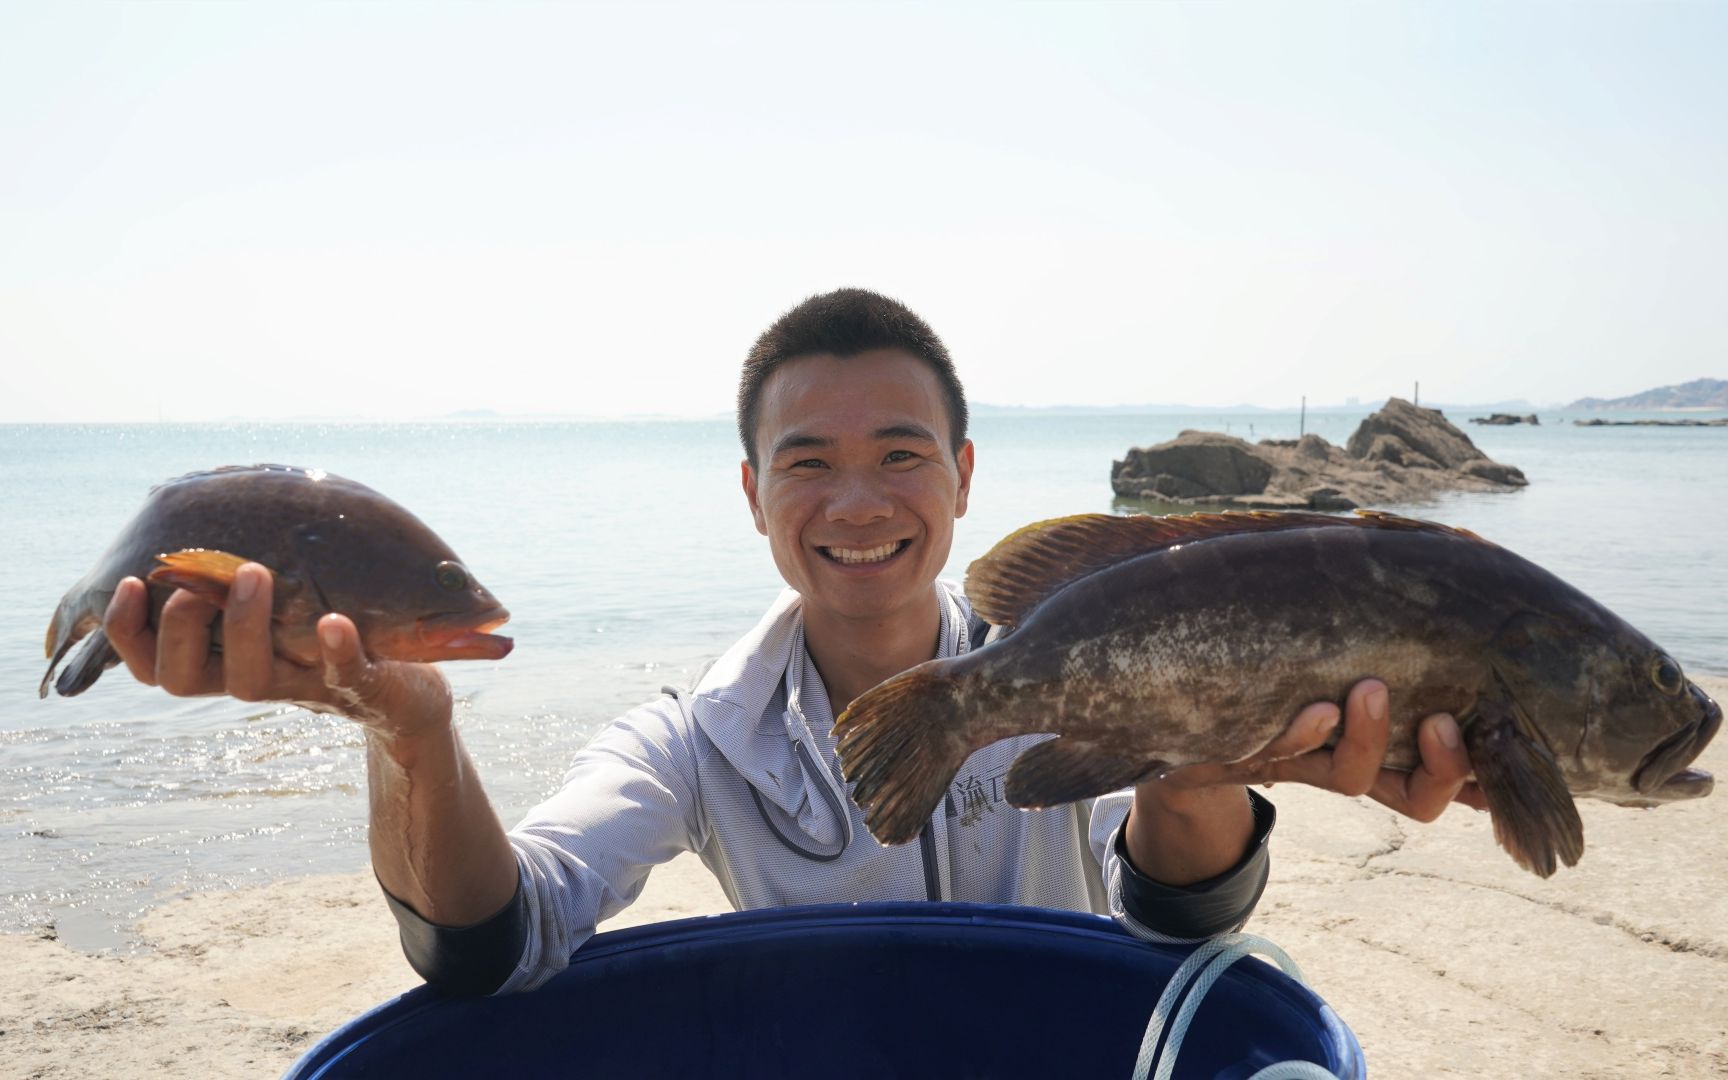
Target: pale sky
<point>210,210</point>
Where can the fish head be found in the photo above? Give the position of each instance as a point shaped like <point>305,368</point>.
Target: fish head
<point>1620,717</point>
<point>1656,723</point>
<point>409,595</point>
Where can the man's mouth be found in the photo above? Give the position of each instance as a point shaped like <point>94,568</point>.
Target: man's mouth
<point>849,556</point>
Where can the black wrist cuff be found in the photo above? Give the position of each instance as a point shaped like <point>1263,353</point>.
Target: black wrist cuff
<point>1214,906</point>
<point>468,961</point>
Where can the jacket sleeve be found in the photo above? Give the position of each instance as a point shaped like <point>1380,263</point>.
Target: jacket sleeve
<point>1157,912</point>
<point>627,804</point>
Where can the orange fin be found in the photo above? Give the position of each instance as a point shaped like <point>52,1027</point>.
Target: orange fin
<point>1033,563</point>
<point>199,571</point>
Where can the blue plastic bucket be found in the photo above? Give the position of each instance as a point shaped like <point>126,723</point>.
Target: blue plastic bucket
<point>865,991</point>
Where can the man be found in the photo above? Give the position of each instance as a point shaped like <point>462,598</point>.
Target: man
<point>856,466</point>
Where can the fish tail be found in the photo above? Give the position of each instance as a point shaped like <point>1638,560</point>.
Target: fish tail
<point>81,674</point>
<point>63,633</point>
<point>900,744</point>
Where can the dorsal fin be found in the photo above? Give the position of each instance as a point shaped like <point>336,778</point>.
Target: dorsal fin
<point>1034,562</point>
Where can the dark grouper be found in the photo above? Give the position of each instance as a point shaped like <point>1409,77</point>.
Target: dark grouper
<point>1146,643</point>
<point>331,545</point>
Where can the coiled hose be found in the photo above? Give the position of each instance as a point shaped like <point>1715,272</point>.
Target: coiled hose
<point>1214,956</point>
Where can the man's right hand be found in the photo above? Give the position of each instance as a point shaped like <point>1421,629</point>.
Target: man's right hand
<point>435,840</point>
<point>388,697</point>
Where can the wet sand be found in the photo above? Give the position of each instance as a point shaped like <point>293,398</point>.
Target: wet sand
<point>1443,956</point>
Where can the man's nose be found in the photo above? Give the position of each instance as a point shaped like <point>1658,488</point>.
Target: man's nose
<point>857,500</point>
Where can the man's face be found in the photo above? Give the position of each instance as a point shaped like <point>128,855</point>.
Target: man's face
<point>857,489</point>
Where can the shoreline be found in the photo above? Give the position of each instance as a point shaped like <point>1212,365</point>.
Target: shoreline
<point>1443,956</point>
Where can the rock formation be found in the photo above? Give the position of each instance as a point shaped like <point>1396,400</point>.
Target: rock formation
<point>1501,419</point>
<point>1401,454</point>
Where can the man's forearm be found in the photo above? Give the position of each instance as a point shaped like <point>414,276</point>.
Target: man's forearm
<point>436,843</point>
<point>1181,837</point>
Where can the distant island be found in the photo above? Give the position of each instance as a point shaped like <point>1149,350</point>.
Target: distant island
<point>1598,422</point>
<point>1351,407</point>
<point>1697,394</point>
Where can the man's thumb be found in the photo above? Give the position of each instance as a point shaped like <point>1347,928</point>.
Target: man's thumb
<point>344,661</point>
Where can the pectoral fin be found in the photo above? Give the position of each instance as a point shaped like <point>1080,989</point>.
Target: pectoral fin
<point>1535,819</point>
<point>203,572</point>
<point>1066,769</point>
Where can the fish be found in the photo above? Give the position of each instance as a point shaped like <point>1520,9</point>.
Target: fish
<point>330,544</point>
<point>1145,643</point>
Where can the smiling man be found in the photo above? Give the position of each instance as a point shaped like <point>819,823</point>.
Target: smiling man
<point>853,425</point>
<point>855,477</point>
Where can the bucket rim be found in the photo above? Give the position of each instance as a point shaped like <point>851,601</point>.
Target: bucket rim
<point>764,923</point>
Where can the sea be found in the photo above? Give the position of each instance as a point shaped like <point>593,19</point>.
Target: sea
<point>627,556</point>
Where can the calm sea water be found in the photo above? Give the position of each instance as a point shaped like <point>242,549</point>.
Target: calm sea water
<point>625,552</point>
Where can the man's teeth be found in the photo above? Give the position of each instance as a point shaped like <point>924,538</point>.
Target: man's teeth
<point>865,555</point>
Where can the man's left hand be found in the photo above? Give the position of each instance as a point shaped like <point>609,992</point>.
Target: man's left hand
<point>1352,766</point>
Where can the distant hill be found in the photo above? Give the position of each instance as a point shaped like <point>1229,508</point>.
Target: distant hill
<point>1697,394</point>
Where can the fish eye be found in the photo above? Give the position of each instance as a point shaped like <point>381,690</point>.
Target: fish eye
<point>451,576</point>
<point>1665,673</point>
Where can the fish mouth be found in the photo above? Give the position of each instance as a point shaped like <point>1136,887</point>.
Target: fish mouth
<point>464,635</point>
<point>1664,773</point>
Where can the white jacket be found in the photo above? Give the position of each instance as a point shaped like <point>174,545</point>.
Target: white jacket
<point>747,779</point>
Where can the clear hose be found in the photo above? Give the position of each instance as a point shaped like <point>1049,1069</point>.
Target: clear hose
<point>1211,959</point>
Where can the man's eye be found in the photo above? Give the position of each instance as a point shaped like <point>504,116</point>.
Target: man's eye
<point>808,463</point>
<point>899,455</point>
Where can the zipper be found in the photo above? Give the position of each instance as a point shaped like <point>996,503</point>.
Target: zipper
<point>927,848</point>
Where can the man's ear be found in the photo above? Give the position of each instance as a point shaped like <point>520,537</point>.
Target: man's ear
<point>963,460</point>
<point>748,476</point>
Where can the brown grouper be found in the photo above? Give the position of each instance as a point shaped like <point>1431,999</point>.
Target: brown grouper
<point>1146,643</point>
<point>330,544</point>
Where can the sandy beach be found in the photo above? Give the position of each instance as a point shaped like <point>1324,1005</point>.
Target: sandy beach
<point>1444,957</point>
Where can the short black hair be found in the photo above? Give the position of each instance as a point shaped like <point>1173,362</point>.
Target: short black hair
<point>844,323</point>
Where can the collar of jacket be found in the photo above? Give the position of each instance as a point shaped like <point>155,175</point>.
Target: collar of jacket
<point>748,706</point>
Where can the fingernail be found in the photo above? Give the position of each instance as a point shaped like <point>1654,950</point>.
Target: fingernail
<point>1377,703</point>
<point>1330,721</point>
<point>330,635</point>
<point>1448,732</point>
<point>245,584</point>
